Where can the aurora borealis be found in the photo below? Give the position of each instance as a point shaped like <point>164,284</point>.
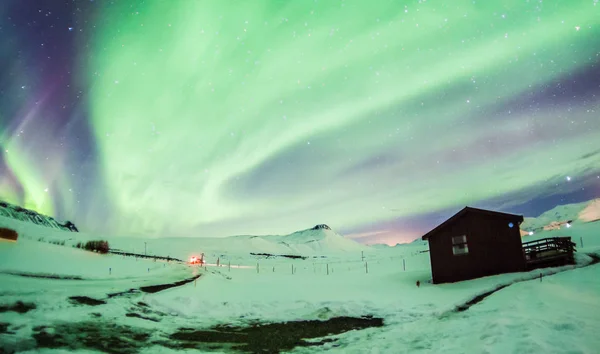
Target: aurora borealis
<point>215,118</point>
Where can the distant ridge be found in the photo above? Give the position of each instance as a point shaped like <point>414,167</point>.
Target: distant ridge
<point>18,213</point>
<point>321,227</point>
<point>315,240</point>
<point>561,215</point>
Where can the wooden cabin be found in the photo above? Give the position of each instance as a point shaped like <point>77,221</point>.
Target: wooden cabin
<point>475,243</point>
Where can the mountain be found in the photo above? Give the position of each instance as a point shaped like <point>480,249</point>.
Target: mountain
<point>562,215</point>
<point>591,212</point>
<point>318,239</point>
<point>382,246</point>
<point>16,212</point>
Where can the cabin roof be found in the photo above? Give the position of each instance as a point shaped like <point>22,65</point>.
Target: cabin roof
<point>466,210</point>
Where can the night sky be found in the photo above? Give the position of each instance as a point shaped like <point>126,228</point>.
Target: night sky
<point>378,118</point>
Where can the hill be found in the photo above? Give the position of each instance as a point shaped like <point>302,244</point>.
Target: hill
<point>562,215</point>
<point>16,212</point>
<point>318,240</point>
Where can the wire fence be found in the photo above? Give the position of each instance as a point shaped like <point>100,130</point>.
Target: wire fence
<point>322,266</point>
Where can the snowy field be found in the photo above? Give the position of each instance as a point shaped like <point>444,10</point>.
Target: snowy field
<point>559,314</point>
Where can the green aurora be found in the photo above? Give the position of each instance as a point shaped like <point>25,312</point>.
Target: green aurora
<point>213,118</point>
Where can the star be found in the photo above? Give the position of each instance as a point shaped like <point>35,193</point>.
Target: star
<point>389,118</point>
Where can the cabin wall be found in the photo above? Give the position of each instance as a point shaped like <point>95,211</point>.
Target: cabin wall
<point>445,266</point>
<point>494,248</point>
<point>497,246</point>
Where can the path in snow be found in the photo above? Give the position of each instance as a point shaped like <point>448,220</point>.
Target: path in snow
<point>479,298</point>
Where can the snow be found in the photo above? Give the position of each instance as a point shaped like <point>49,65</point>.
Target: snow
<point>591,212</point>
<point>586,233</point>
<point>557,314</point>
<point>26,256</point>
<point>561,214</point>
<point>310,242</point>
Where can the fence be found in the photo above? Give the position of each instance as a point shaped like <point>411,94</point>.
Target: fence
<point>549,252</point>
<point>130,254</point>
<point>335,266</point>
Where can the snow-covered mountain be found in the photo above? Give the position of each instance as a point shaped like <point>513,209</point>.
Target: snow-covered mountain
<point>562,215</point>
<point>16,212</point>
<point>318,239</point>
<point>381,246</point>
<point>591,212</point>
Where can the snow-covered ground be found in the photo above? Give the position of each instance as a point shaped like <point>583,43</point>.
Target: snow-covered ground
<point>559,314</point>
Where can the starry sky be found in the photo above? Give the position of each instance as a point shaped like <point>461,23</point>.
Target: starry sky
<point>215,118</point>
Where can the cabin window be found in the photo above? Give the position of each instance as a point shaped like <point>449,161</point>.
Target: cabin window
<point>459,245</point>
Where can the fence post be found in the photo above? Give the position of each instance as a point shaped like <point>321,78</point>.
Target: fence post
<point>366,267</point>
<point>404,264</point>
<point>257,268</point>
<point>581,239</point>
<point>273,269</point>
<point>327,268</point>
<point>362,255</point>
<point>540,277</point>
<point>109,271</point>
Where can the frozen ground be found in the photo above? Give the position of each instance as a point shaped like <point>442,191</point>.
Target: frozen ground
<point>559,314</point>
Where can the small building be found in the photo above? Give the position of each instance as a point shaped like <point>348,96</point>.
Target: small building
<point>8,234</point>
<point>475,243</point>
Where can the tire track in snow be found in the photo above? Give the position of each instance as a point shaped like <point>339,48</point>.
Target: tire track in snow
<point>479,298</point>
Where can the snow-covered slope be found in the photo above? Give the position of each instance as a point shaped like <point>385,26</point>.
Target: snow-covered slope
<point>319,240</point>
<point>591,211</point>
<point>17,213</point>
<point>381,246</point>
<point>316,241</point>
<point>382,284</point>
<point>562,214</point>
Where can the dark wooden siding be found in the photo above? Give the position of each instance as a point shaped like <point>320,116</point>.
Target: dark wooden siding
<point>494,248</point>
<point>445,266</point>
